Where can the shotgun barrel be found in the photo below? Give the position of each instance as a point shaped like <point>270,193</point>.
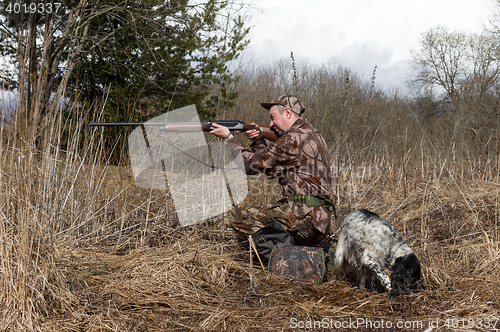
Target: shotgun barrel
<point>232,125</point>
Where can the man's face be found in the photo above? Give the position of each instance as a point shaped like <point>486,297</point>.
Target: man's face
<point>278,121</point>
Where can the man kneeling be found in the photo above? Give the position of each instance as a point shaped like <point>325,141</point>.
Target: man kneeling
<point>300,160</point>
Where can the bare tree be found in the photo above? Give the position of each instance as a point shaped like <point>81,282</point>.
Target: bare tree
<point>457,64</point>
<point>482,65</point>
<point>441,61</point>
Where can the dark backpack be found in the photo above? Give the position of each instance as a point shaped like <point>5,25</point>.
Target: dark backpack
<point>277,250</point>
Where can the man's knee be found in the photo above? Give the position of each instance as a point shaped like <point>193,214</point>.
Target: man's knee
<point>245,227</point>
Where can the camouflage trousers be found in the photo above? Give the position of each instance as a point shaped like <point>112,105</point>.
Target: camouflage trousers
<point>249,220</point>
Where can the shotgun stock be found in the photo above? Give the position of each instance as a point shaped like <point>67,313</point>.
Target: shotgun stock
<point>234,126</point>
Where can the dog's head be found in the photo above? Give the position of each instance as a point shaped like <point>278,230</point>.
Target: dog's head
<point>406,277</point>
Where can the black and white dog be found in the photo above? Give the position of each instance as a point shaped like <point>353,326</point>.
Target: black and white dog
<point>367,244</point>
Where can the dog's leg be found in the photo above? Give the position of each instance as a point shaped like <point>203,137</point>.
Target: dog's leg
<point>363,275</point>
<point>340,254</point>
<point>381,275</point>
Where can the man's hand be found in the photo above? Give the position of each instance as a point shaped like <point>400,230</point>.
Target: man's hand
<point>253,134</point>
<point>220,131</point>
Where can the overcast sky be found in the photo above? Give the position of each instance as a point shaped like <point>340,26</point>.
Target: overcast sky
<point>356,33</point>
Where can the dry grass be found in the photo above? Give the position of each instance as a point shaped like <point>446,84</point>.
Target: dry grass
<point>199,279</point>
<point>82,248</point>
<point>111,257</point>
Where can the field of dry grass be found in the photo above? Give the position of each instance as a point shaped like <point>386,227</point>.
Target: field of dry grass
<point>82,248</point>
<point>198,279</point>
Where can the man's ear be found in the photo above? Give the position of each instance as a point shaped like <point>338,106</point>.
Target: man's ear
<point>288,113</point>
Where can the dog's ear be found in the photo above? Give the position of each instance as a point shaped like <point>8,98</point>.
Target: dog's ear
<point>399,269</point>
<point>399,283</point>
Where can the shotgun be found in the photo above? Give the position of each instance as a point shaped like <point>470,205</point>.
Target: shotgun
<point>232,125</point>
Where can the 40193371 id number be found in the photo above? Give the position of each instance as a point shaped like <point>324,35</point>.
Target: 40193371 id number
<point>472,323</point>
<point>32,8</point>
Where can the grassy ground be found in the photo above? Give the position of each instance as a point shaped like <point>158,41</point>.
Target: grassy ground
<point>82,248</point>
<point>192,279</point>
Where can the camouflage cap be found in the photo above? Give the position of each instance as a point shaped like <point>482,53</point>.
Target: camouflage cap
<point>287,101</point>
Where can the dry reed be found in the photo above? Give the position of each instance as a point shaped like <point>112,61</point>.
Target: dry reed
<point>83,248</point>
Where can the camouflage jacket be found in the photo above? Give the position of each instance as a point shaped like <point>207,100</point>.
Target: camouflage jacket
<point>300,161</point>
